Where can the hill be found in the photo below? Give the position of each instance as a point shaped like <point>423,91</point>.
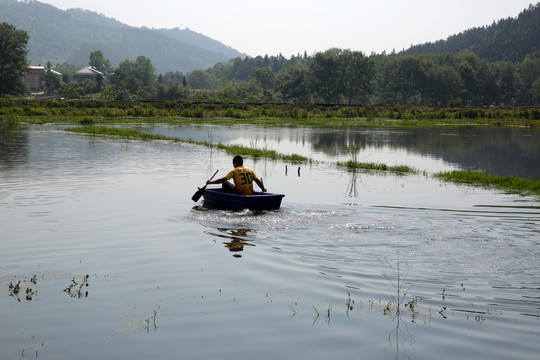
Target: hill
<point>508,39</point>
<point>70,36</point>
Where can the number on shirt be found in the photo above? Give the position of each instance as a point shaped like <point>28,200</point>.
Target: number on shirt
<point>246,178</point>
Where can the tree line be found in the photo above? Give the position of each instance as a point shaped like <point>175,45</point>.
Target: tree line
<point>335,76</point>
<point>339,76</point>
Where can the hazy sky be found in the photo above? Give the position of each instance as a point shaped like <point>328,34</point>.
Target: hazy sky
<point>290,27</point>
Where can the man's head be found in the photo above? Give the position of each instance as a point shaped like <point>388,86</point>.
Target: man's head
<point>237,161</point>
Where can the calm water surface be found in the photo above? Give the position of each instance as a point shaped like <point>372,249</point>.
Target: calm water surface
<point>321,278</point>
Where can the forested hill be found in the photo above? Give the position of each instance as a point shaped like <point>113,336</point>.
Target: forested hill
<point>70,36</point>
<point>508,39</point>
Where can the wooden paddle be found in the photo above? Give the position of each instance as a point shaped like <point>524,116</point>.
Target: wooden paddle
<point>199,192</point>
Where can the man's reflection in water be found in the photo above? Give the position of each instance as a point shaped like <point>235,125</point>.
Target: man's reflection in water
<point>237,239</point>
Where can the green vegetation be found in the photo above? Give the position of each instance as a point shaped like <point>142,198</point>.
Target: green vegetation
<point>251,151</point>
<point>353,150</point>
<point>126,133</point>
<point>44,111</point>
<point>508,39</point>
<point>506,183</point>
<point>263,153</point>
<point>75,289</point>
<point>399,169</point>
<point>510,184</point>
<point>90,114</point>
<point>13,51</point>
<point>494,66</point>
<point>15,289</point>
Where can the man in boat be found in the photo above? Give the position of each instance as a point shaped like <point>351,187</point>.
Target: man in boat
<point>243,178</point>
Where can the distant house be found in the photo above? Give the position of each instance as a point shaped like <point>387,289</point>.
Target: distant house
<point>33,78</point>
<point>88,73</point>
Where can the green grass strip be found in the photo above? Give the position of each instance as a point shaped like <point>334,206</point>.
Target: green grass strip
<point>127,133</point>
<point>124,133</point>
<point>400,169</point>
<point>511,184</point>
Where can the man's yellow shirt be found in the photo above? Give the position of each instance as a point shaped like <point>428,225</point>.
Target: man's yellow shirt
<point>243,179</point>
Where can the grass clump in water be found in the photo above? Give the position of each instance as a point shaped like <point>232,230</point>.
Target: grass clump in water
<point>355,165</point>
<point>510,184</point>
<point>127,133</point>
<point>121,132</point>
<point>262,153</point>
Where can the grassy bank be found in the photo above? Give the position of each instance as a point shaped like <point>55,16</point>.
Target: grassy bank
<point>126,133</point>
<point>510,184</point>
<point>42,111</point>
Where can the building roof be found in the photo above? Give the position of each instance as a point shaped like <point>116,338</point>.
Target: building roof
<point>42,68</point>
<point>88,71</point>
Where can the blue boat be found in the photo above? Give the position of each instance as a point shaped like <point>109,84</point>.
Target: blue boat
<point>216,198</point>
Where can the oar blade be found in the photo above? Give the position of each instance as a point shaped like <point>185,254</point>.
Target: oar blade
<point>198,194</point>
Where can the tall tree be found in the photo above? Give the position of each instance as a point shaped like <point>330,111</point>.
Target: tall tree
<point>357,75</point>
<point>52,81</point>
<point>98,61</point>
<point>132,76</point>
<point>13,59</point>
<point>145,71</point>
<point>444,84</point>
<point>263,76</point>
<point>325,76</point>
<point>529,71</point>
<point>292,84</point>
<point>199,79</point>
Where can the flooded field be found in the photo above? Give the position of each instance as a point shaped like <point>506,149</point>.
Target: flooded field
<point>104,255</point>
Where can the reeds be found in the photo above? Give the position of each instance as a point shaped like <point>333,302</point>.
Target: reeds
<point>295,114</point>
<point>354,151</point>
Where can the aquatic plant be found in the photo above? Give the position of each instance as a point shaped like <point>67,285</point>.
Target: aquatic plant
<point>353,151</point>
<point>15,289</point>
<point>210,138</point>
<point>152,319</point>
<point>398,278</point>
<point>510,184</point>
<point>399,169</point>
<point>253,142</point>
<point>87,121</point>
<point>349,303</point>
<point>75,289</point>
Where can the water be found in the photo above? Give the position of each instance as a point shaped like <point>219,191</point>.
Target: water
<point>317,279</point>
<point>498,151</point>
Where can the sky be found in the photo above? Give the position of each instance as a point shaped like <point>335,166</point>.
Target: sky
<point>291,27</point>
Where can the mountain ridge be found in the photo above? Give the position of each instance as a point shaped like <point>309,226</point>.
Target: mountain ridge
<point>71,35</point>
<point>511,38</point>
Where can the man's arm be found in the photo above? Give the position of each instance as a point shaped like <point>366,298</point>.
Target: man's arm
<point>261,185</point>
<point>218,181</point>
